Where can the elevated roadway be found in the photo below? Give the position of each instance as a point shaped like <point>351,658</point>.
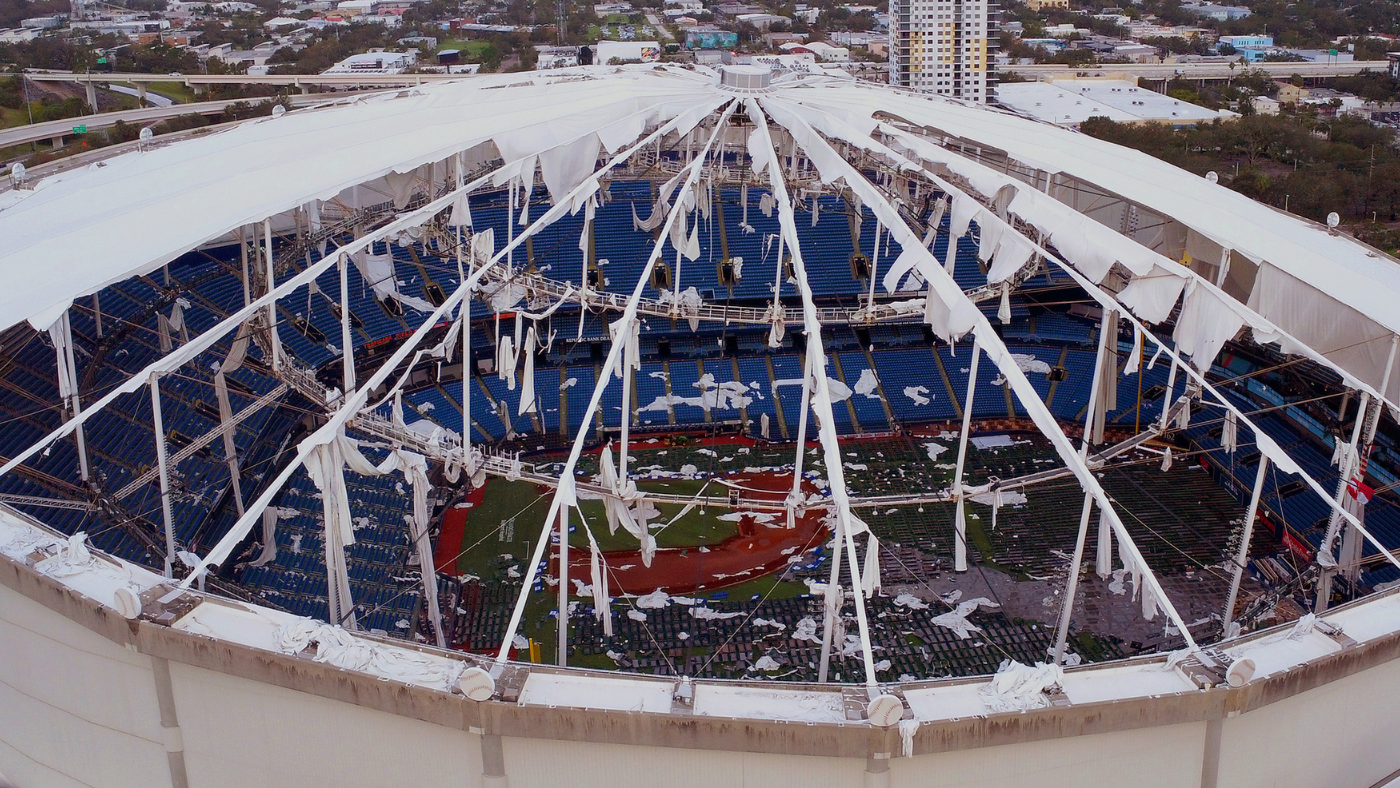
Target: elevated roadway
<point>302,81</point>
<point>1207,71</point>
<point>56,130</point>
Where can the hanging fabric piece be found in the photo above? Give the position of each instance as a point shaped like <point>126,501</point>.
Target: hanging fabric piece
<point>589,210</point>
<point>1229,433</point>
<point>607,479</point>
<point>1013,252</point>
<point>396,411</point>
<point>935,219</point>
<point>766,205</point>
<point>989,236</point>
<point>659,210</point>
<point>503,413</point>
<point>379,273</point>
<point>269,537</point>
<point>901,266</point>
<point>1136,572</point>
<point>1153,361</point>
<point>1106,376</point>
<point>400,187</point>
<point>692,245</point>
<point>602,605</point>
<point>964,210</point>
<point>870,573</point>
<point>461,215</point>
<point>1204,325</point>
<point>177,319</point>
<point>617,505</point>
<point>744,205</point>
<point>776,324</point>
<point>1135,359</point>
<point>816,210</point>
<point>415,470</point>
<point>525,192</point>
<point>325,465</point>
<point>505,362</point>
<point>1341,454</point>
<point>237,352</point>
<point>1167,459</point>
<point>483,247</point>
<point>763,428</point>
<point>1004,311</point>
<point>1103,558</point>
<point>527,377</point>
<point>314,226</point>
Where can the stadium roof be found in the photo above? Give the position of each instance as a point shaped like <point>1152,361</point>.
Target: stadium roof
<point>134,213</point>
<point>1316,293</point>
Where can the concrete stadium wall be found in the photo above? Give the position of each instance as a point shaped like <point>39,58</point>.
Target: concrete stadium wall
<point>90,699</point>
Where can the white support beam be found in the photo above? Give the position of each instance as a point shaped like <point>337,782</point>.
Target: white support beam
<point>1077,563</point>
<point>563,587</point>
<point>269,259</point>
<point>76,405</point>
<point>159,427</point>
<point>960,514</point>
<point>761,143</point>
<point>347,339</point>
<point>465,315</point>
<point>1243,554</point>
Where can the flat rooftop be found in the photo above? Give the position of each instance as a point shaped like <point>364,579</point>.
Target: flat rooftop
<point>1071,102</point>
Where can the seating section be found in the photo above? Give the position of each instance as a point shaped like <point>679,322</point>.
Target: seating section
<point>898,379</point>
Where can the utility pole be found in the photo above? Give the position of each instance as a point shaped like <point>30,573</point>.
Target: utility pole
<point>560,22</point>
<point>24,83</point>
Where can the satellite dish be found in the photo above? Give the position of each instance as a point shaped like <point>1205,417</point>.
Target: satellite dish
<point>127,603</point>
<point>476,684</point>
<point>1240,672</point>
<point>17,172</point>
<point>1333,219</point>
<point>884,711</point>
<point>1212,177</point>
<point>147,134</point>
<point>278,111</point>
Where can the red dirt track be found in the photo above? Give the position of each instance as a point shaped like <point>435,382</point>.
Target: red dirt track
<point>756,550</point>
<point>454,529</point>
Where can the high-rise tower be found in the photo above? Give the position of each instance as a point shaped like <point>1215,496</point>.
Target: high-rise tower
<point>944,47</point>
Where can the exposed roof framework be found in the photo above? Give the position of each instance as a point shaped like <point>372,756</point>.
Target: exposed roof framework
<point>880,148</point>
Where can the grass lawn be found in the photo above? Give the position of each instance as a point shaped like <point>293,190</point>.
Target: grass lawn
<point>175,90</point>
<point>471,50</point>
<point>529,505</point>
<point>9,118</point>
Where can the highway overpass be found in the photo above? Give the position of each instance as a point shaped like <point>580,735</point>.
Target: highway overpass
<point>197,81</point>
<point>56,130</point>
<point>1201,71</point>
